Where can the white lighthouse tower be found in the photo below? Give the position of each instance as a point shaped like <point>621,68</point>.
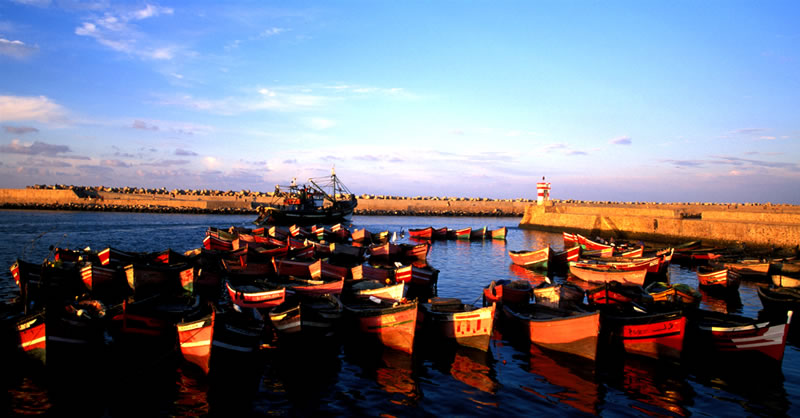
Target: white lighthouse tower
<point>542,192</point>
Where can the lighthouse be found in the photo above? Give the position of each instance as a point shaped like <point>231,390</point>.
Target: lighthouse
<point>542,192</point>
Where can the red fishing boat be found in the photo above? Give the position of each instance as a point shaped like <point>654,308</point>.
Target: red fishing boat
<point>536,259</point>
<point>718,333</point>
<point>419,276</point>
<point>574,331</point>
<point>361,235</point>
<point>570,240</point>
<point>559,260</point>
<point>588,244</point>
<point>153,279</point>
<point>717,280</point>
<point>252,296</point>
<point>415,251</point>
<point>195,335</point>
<point>421,233</point>
<point>211,242</point>
<point>390,324</point>
<point>506,292</point>
<point>457,322</point>
<point>657,335</point>
<point>298,268</point>
<point>368,272</point>
<point>316,287</point>
<point>32,337</point>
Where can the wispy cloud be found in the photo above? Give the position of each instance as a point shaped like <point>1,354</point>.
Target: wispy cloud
<point>748,131</point>
<point>183,152</point>
<point>140,124</point>
<point>19,130</point>
<point>37,148</point>
<point>114,163</point>
<point>21,108</point>
<point>118,32</point>
<point>16,49</point>
<point>623,140</point>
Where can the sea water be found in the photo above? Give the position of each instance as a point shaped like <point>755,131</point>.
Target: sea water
<point>510,380</point>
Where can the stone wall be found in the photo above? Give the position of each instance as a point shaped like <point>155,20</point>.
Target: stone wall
<point>765,226</point>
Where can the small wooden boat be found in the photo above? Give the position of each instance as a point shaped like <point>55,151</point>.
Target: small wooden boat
<point>463,233</point>
<point>657,335</point>
<point>415,251</point>
<point>195,335</point>
<point>588,244</point>
<point>211,242</point>
<point>32,337</point>
<point>499,233</point>
<point>558,295</point>
<point>238,335</point>
<point>385,250</point>
<point>416,275</point>
<point>559,260</point>
<point>458,323</point>
<point>361,235</point>
<point>593,275</point>
<point>785,280</point>
<point>298,268</point>
<point>615,293</point>
<point>369,272</point>
<point>379,289</point>
<point>779,299</point>
<point>478,234</point>
<point>153,279</point>
<point>393,325</point>
<point>340,249</point>
<point>262,295</point>
<point>104,282</point>
<point>725,334</point>
<point>321,314</point>
<point>753,269</point>
<point>421,233</point>
<point>439,233</point>
<point>311,287</point>
<point>574,331</point>
<point>717,280</point>
<point>286,318</point>
<point>536,259</point>
<point>678,294</point>
<point>570,240</point>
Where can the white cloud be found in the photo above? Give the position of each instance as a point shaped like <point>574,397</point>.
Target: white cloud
<point>320,124</point>
<point>272,32</point>
<point>16,49</point>
<point>150,11</point>
<point>18,108</point>
<point>117,32</point>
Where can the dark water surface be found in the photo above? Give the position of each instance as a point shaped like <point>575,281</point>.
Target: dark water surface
<point>510,380</point>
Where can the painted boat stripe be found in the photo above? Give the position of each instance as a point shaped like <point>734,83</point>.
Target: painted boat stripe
<point>32,342</point>
<point>196,343</point>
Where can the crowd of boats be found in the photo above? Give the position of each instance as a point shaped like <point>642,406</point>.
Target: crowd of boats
<point>246,290</point>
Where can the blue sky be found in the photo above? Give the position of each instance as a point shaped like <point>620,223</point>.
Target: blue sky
<point>680,101</point>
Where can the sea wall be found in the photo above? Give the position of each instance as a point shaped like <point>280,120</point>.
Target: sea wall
<point>753,225</point>
<point>140,200</point>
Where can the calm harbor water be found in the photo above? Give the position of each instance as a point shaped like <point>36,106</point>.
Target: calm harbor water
<point>512,379</point>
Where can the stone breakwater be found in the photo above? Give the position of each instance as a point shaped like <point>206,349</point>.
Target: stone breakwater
<point>239,202</point>
<point>755,225</point>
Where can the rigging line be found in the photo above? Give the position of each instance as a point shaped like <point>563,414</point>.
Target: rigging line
<point>33,242</point>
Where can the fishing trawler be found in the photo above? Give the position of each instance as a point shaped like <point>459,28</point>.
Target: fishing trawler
<point>309,204</point>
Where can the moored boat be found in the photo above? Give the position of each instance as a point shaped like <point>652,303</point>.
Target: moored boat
<point>195,336</point>
<point>256,296</point>
<point>310,204</point>
<point>717,333</point>
<point>717,280</point>
<point>593,275</point>
<point>390,324</point>
<point>657,335</point>
<point>574,330</point>
<point>536,259</point>
<point>558,295</point>
<point>499,233</point>
<point>458,323</point>
<point>421,233</point>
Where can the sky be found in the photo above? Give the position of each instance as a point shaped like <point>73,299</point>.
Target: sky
<point>643,101</point>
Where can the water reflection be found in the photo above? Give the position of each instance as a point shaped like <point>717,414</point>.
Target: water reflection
<point>653,387</point>
<point>565,379</point>
<point>392,370</point>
